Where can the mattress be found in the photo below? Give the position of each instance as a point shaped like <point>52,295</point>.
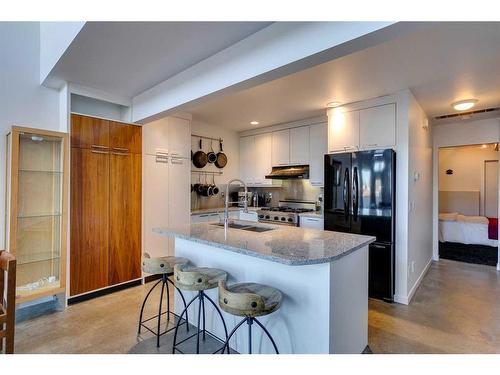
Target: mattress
<point>465,232</point>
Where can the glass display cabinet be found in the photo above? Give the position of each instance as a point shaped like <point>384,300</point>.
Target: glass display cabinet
<point>36,200</point>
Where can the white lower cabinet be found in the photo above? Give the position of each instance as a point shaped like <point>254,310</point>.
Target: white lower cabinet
<point>311,222</point>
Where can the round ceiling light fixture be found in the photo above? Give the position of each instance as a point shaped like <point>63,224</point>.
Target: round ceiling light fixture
<point>254,123</point>
<point>332,104</point>
<point>463,105</point>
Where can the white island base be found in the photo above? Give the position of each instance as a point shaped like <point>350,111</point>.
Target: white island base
<point>324,310</point>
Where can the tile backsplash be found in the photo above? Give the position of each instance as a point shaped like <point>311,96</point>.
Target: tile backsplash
<point>291,189</point>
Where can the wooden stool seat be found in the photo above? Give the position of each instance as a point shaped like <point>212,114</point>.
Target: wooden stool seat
<point>160,265</point>
<point>197,278</point>
<point>249,299</point>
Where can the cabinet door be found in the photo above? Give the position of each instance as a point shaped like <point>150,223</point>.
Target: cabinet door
<point>179,137</point>
<point>155,210</point>
<point>89,220</point>
<point>343,131</point>
<point>281,147</point>
<point>377,126</point>
<point>155,136</point>
<point>299,145</point>
<point>89,132</point>
<point>125,217</point>
<point>125,138</point>
<point>179,202</point>
<point>317,150</point>
<point>311,222</point>
<point>262,158</point>
<point>247,154</point>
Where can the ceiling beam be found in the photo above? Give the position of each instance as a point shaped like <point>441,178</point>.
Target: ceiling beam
<point>278,50</point>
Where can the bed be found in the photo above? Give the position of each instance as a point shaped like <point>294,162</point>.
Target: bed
<point>464,235</point>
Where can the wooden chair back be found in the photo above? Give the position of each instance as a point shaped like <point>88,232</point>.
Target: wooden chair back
<point>7,301</point>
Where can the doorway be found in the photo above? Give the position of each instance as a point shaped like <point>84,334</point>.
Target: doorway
<point>468,189</point>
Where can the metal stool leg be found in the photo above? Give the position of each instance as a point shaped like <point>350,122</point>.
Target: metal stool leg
<point>200,302</point>
<point>180,319</point>
<point>231,335</point>
<point>203,308</point>
<point>144,304</point>
<point>221,317</point>
<point>168,297</point>
<point>249,323</point>
<point>159,313</point>
<point>183,301</point>
<point>268,334</point>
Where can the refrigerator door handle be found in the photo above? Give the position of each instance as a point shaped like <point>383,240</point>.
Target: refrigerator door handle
<point>346,193</point>
<point>355,191</point>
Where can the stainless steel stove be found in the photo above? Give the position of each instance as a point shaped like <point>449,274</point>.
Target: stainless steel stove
<point>287,213</point>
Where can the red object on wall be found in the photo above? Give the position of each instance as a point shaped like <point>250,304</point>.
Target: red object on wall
<point>493,228</point>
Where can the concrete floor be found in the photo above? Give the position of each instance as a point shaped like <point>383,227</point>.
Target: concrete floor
<point>455,310</point>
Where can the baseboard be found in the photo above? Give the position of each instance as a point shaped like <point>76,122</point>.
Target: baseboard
<point>103,291</point>
<point>405,300</point>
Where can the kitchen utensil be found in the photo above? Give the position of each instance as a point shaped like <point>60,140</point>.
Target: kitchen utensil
<point>215,189</point>
<point>200,159</point>
<point>221,161</point>
<point>211,156</point>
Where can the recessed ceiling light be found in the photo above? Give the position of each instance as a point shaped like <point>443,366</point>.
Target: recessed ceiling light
<point>463,105</point>
<point>254,123</point>
<point>332,104</point>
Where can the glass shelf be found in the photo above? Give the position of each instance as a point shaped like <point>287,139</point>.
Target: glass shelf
<point>39,215</point>
<point>39,171</point>
<point>36,258</point>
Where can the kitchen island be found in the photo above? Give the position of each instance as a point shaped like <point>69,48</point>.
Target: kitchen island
<point>323,277</point>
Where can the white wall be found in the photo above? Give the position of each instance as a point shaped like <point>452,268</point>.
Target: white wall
<point>95,107</point>
<point>457,134</point>
<point>419,195</point>
<point>22,100</point>
<point>467,163</point>
<point>55,38</point>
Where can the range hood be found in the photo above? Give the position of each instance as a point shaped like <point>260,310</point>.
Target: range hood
<point>288,173</point>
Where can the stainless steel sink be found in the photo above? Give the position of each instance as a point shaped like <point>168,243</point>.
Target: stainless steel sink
<point>250,228</point>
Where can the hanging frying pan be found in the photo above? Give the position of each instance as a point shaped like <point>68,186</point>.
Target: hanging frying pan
<point>221,161</point>
<point>211,156</point>
<point>200,159</point>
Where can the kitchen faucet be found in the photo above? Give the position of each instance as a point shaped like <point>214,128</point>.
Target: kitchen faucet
<point>226,203</point>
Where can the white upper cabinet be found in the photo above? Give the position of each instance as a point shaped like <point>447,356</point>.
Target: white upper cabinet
<point>318,147</point>
<point>343,130</point>
<point>247,164</point>
<point>377,126</point>
<point>281,147</point>
<point>262,158</point>
<point>179,141</point>
<point>299,145</point>
<point>170,135</point>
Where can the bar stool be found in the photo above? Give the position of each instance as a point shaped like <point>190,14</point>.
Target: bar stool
<point>249,300</point>
<point>163,266</point>
<point>198,279</point>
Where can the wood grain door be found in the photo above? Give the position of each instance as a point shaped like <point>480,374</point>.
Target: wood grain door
<point>125,138</point>
<point>125,217</point>
<point>89,132</point>
<point>89,220</point>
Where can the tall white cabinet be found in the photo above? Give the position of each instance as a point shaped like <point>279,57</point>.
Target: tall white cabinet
<point>166,181</point>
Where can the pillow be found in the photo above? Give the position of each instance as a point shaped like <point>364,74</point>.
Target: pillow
<point>473,219</point>
<point>452,216</point>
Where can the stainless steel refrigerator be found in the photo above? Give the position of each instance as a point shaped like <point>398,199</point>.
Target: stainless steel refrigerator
<point>359,198</point>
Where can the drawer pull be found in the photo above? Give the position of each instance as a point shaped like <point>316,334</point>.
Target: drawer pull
<point>99,152</point>
<point>100,147</point>
<point>120,149</point>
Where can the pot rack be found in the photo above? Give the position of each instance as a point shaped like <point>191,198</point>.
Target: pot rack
<point>207,172</point>
<point>210,138</point>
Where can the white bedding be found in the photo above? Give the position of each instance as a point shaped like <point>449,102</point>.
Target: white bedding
<point>465,232</point>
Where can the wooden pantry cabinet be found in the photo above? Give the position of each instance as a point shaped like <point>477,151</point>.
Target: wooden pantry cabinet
<point>105,222</point>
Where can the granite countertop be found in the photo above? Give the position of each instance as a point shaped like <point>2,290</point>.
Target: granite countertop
<point>285,244</point>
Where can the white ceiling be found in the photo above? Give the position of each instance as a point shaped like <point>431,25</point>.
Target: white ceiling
<point>441,64</point>
<point>126,58</point>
